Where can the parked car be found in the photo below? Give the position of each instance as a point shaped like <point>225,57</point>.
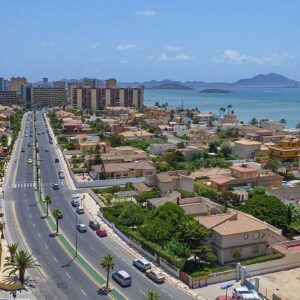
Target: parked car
<point>155,275</point>
<point>55,186</point>
<point>46,150</point>
<point>81,228</point>
<point>94,225</point>
<point>61,175</point>
<point>29,161</point>
<point>101,232</point>
<point>29,145</point>
<point>142,264</point>
<point>122,277</point>
<point>239,291</point>
<point>50,142</point>
<point>75,203</point>
<point>76,196</point>
<point>56,160</point>
<point>80,210</point>
<point>22,150</point>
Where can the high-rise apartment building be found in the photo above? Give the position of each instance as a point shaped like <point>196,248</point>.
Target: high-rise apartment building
<point>45,82</point>
<point>8,98</point>
<point>111,95</point>
<point>17,84</point>
<point>4,86</point>
<point>47,97</point>
<point>59,84</point>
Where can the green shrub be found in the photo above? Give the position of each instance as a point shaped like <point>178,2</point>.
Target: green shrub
<point>79,170</point>
<point>261,259</point>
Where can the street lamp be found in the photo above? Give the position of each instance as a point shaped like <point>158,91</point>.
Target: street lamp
<point>76,240</point>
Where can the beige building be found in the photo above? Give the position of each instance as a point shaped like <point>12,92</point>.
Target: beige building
<point>48,97</point>
<point>246,148</point>
<point>126,170</point>
<point>244,176</point>
<point>174,180</point>
<point>16,83</point>
<point>236,231</point>
<point>111,95</point>
<point>137,134</point>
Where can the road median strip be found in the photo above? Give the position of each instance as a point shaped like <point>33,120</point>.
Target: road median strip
<point>70,249</point>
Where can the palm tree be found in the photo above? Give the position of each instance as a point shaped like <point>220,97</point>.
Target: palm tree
<point>228,108</point>
<point>283,122</point>
<point>48,202</point>
<point>12,248</point>
<point>152,294</point>
<point>107,263</point>
<point>222,110</point>
<point>253,122</point>
<point>56,215</point>
<point>298,127</point>
<point>23,261</point>
<point>2,226</point>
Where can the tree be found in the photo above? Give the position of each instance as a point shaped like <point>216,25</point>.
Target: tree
<point>228,108</point>
<point>117,140</point>
<point>226,150</point>
<point>23,261</point>
<point>283,122</point>
<point>210,121</point>
<point>132,215</point>
<point>152,294</point>
<point>253,122</point>
<point>107,263</point>
<point>12,248</point>
<point>236,253</point>
<point>273,164</point>
<point>178,248</point>
<point>48,202</point>
<point>213,147</point>
<point>56,214</point>
<point>257,190</point>
<point>222,111</point>
<point>2,227</point>
<point>205,191</point>
<point>204,253</point>
<point>267,208</point>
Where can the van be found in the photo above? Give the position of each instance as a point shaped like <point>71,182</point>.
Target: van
<point>122,278</point>
<point>253,295</point>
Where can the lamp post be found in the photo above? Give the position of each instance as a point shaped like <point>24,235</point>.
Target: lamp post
<point>76,240</point>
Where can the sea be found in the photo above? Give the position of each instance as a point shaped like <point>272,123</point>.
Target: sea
<point>247,103</point>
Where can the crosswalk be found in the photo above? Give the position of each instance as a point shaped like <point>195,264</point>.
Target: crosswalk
<point>32,184</point>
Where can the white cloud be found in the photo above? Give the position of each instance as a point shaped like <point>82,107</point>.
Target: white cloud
<point>182,56</point>
<point>94,46</point>
<point>124,61</point>
<point>126,47</point>
<point>173,48</point>
<point>145,13</point>
<point>164,56</point>
<point>235,57</point>
<point>46,44</point>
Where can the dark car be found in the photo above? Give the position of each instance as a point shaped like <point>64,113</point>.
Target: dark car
<point>55,186</point>
<point>23,150</point>
<point>94,225</point>
<point>29,145</point>
<point>50,142</point>
<point>75,203</point>
<point>101,232</point>
<point>56,160</point>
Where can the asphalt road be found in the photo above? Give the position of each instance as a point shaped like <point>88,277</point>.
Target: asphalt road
<point>24,224</point>
<point>90,246</point>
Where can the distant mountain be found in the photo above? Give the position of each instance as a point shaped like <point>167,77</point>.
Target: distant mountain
<point>215,91</point>
<point>269,80</point>
<point>170,86</point>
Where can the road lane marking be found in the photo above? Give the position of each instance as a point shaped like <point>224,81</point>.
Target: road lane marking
<point>30,216</point>
<point>68,275</point>
<point>39,235</point>
<point>92,249</point>
<point>171,296</point>
<point>54,259</point>
<point>33,225</point>
<point>46,247</point>
<point>142,292</point>
<point>83,292</point>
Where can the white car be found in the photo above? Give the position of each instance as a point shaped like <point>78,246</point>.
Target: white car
<point>142,264</point>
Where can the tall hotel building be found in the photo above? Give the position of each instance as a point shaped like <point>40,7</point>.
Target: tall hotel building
<point>110,95</point>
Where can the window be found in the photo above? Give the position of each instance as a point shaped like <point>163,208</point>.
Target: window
<point>246,236</point>
<point>256,235</point>
<point>255,249</point>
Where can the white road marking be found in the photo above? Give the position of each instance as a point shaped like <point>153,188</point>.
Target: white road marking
<point>30,216</point>
<point>54,259</point>
<point>68,275</point>
<point>143,292</point>
<point>92,249</point>
<point>33,225</point>
<point>82,291</point>
<point>171,296</point>
<point>46,246</point>
<point>39,235</point>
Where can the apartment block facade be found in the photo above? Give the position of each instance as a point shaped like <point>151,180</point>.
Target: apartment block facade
<point>8,98</point>
<point>110,95</point>
<point>47,97</point>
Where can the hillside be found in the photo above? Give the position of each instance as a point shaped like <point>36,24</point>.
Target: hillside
<point>170,86</point>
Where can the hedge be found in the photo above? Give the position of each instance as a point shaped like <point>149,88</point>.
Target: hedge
<point>79,170</point>
<point>261,259</point>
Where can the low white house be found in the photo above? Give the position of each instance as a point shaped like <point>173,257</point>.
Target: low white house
<point>158,149</point>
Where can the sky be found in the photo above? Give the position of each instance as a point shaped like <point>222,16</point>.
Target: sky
<point>139,40</point>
